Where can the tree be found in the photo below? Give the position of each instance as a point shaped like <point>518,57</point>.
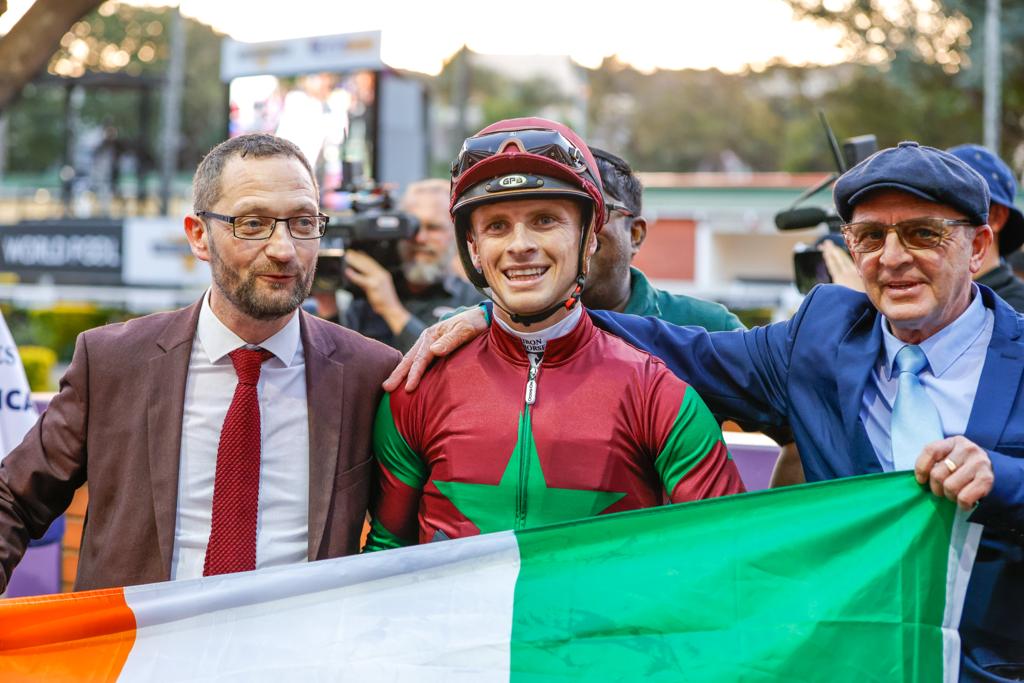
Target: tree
<point>26,48</point>
<point>126,40</point>
<point>914,39</point>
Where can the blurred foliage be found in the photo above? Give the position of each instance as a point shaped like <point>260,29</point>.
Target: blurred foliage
<point>38,362</point>
<point>910,80</point>
<point>914,39</point>
<point>58,327</point>
<point>877,30</point>
<point>134,41</point>
<point>493,96</point>
<point>693,120</point>
<point>753,317</point>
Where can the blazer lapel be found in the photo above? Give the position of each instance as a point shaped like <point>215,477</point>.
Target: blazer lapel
<point>325,404</point>
<point>166,377</point>
<point>855,360</point>
<point>1000,377</point>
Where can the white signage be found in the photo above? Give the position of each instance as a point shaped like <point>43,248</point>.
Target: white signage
<point>157,253</point>
<point>345,52</point>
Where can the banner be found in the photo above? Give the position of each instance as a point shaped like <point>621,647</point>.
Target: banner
<point>854,580</point>
<point>17,412</point>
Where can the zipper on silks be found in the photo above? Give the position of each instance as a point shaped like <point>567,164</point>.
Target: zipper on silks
<point>524,439</point>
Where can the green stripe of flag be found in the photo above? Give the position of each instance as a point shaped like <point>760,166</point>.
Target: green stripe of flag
<point>842,581</point>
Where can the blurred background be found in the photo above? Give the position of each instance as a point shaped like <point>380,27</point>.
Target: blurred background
<point>715,104</point>
<point>107,107</point>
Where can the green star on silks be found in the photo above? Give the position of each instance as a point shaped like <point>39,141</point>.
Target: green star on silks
<point>493,507</point>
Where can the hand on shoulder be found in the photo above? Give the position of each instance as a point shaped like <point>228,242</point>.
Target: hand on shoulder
<point>436,341</point>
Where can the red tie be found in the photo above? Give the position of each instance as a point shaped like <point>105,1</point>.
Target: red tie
<point>236,486</point>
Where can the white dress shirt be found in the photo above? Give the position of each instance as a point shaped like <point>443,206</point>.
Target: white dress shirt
<point>282,524</point>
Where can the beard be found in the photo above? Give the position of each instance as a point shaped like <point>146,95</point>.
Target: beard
<point>243,294</point>
<point>424,273</point>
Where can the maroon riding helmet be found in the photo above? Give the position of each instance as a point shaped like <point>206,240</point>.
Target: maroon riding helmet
<point>526,158</point>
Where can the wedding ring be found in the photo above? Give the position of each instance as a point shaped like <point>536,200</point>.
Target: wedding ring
<point>950,465</point>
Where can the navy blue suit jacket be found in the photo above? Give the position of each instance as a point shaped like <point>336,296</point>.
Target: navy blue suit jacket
<point>810,373</point>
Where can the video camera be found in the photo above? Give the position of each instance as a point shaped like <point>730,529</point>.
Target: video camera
<point>372,226</point>
<point>808,262</point>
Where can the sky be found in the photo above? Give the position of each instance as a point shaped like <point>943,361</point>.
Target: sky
<point>647,34</point>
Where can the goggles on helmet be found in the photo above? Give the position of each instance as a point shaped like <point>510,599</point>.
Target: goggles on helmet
<point>545,143</point>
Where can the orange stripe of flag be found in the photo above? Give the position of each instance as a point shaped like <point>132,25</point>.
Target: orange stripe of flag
<point>73,637</point>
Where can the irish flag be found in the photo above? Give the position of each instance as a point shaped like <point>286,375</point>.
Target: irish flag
<point>854,580</point>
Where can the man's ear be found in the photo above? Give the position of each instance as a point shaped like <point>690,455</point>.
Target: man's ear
<point>637,234</point>
<point>473,254</point>
<point>981,243</point>
<point>591,244</point>
<point>197,236</point>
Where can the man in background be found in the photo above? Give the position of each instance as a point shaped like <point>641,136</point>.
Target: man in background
<point>396,310</point>
<point>614,284</point>
<point>1004,218</point>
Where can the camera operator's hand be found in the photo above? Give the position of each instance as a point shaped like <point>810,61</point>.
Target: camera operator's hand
<point>840,266</point>
<point>379,286</point>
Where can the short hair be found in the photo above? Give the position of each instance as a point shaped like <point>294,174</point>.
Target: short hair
<point>619,180</point>
<point>206,185</point>
<point>441,189</point>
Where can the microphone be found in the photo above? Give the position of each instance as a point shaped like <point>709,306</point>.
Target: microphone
<point>798,219</point>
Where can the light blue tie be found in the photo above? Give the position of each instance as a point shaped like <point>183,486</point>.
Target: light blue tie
<point>915,420</point>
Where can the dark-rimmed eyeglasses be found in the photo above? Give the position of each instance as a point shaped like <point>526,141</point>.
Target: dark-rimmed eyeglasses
<point>614,207</point>
<point>546,143</point>
<point>262,227</point>
<point>916,233</point>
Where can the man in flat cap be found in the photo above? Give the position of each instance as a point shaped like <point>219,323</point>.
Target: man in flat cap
<point>1005,219</point>
<point>922,373</point>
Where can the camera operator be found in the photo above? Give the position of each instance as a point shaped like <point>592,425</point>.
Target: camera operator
<point>396,310</point>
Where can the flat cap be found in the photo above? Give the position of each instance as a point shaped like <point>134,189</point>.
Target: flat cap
<point>924,172</point>
<point>1001,186</point>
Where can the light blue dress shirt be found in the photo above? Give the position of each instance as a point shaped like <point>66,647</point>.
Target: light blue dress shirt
<point>956,355</point>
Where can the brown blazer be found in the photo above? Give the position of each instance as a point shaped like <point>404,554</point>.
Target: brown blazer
<point>116,422</point>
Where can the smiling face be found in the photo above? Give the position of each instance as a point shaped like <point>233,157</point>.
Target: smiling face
<point>258,280</point>
<point>528,251</point>
<point>919,291</point>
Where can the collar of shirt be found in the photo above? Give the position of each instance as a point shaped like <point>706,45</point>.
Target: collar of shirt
<point>217,340</point>
<point>943,348</point>
<point>536,342</point>
<point>643,299</point>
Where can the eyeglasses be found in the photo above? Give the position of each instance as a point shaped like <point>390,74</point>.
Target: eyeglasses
<point>916,233</point>
<point>547,143</point>
<point>262,227</point>
<point>610,206</point>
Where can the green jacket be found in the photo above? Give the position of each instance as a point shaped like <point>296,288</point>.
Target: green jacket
<point>645,299</point>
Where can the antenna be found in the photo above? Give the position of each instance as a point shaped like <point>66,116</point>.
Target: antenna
<point>837,154</point>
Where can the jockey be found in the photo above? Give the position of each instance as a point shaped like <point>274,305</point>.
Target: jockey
<point>545,418</point>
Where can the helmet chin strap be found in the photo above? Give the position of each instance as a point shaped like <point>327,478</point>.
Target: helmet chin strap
<point>531,318</point>
<point>528,319</point>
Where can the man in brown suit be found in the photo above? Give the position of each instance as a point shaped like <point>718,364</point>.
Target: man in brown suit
<point>141,408</point>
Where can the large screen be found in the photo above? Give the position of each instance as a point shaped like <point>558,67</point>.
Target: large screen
<point>329,116</point>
